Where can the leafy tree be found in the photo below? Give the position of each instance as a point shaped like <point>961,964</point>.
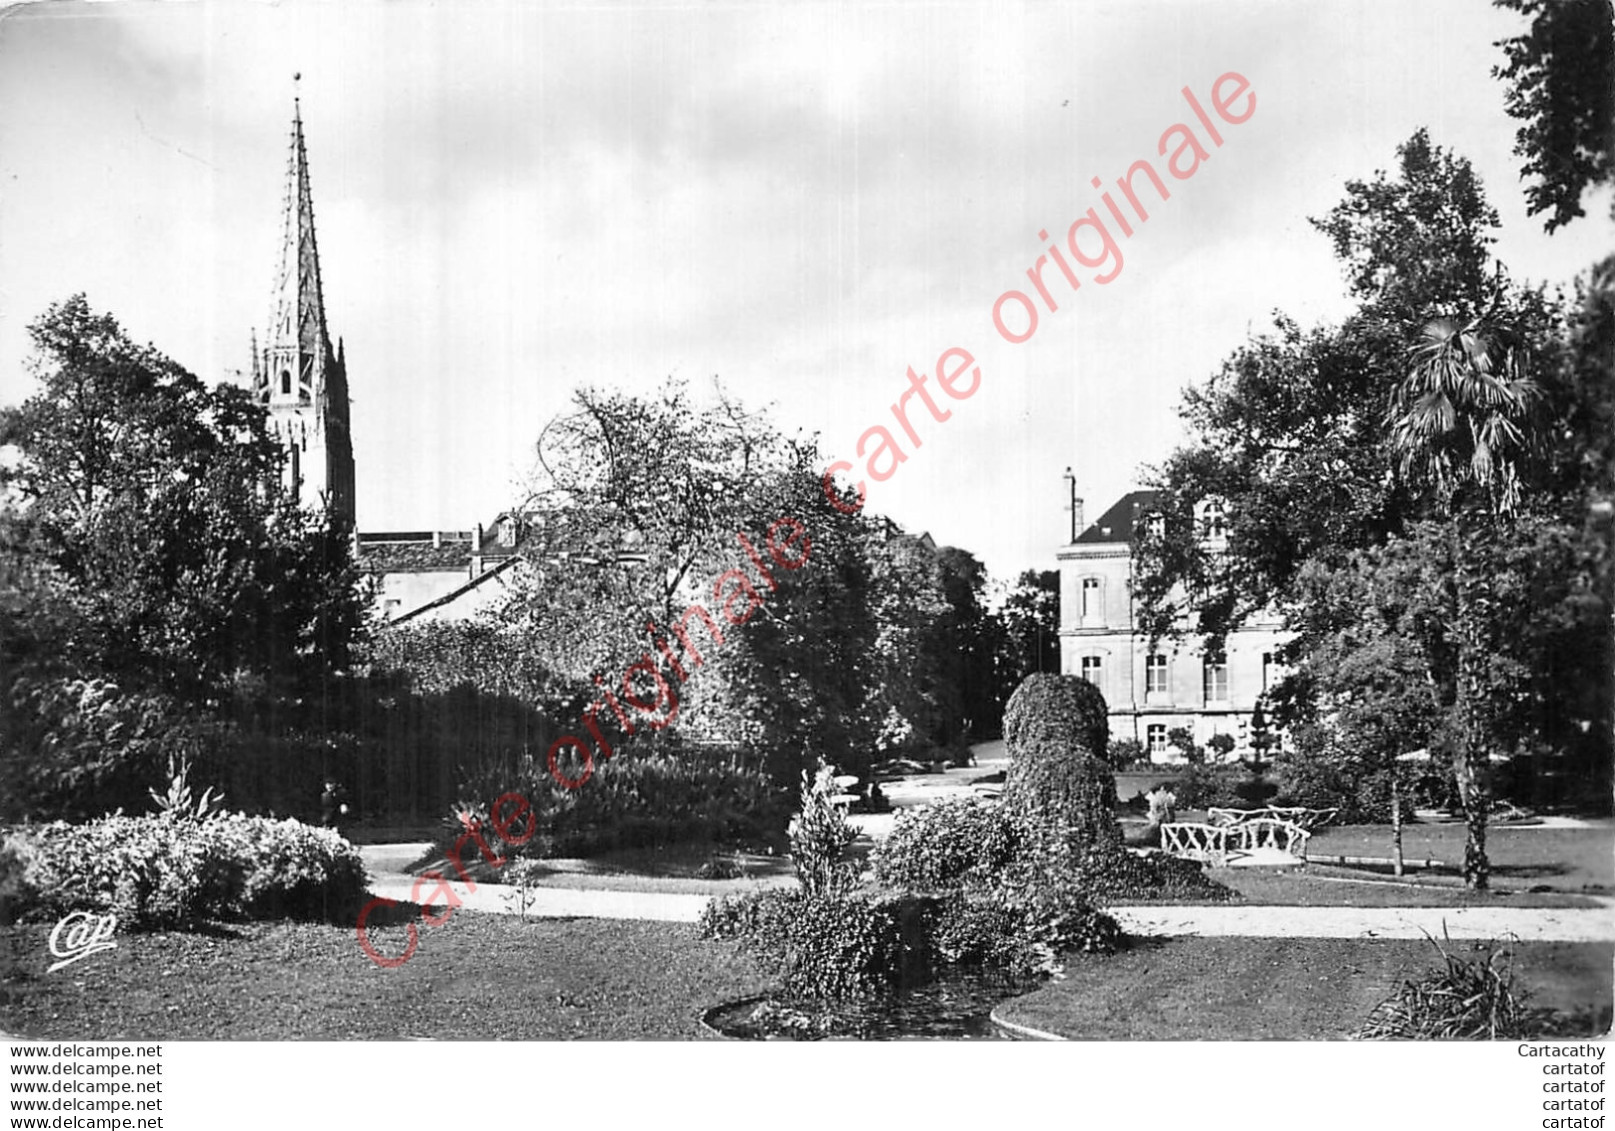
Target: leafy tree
<point>1028,629</point>
<point>1425,406</point>
<point>963,642</point>
<point>640,504</point>
<point>156,504</point>
<point>1560,74</point>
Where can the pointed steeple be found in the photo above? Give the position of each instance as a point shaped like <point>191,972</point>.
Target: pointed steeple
<point>299,301</point>
<point>295,371</point>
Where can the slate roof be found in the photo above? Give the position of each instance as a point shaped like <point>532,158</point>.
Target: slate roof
<point>1117,523</point>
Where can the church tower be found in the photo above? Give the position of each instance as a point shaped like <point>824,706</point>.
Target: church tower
<point>294,370</point>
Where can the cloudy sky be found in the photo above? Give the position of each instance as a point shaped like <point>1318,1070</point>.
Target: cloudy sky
<point>802,200</point>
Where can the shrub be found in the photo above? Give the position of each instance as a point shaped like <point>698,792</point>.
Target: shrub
<point>1058,709</point>
<point>819,835</point>
<point>1023,927</point>
<point>1126,877</point>
<point>1058,793</point>
<point>1319,778</point>
<point>640,798</point>
<point>942,845</point>
<point>1469,999</point>
<point>75,748</point>
<point>826,946</point>
<point>1128,753</point>
<point>161,871</point>
<point>1202,787</point>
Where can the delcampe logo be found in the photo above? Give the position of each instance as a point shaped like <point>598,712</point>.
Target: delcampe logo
<point>80,935</point>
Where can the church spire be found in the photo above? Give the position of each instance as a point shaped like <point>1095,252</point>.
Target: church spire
<point>299,301</point>
<point>295,371</point>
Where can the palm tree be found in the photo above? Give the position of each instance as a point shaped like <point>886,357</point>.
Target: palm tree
<point>1462,427</point>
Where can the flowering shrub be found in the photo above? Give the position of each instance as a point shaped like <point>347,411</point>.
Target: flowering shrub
<point>162,871</point>
<point>942,845</point>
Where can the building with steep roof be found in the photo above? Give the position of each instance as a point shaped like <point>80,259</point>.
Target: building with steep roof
<point>1177,683</point>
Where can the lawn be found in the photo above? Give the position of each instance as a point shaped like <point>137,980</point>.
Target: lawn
<point>1522,856</point>
<point>1281,989</point>
<point>479,977</point>
<point>1323,886</point>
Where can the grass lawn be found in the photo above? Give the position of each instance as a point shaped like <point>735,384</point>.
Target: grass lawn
<point>478,977</point>
<point>1522,856</point>
<point>1322,886</point>
<point>1280,989</point>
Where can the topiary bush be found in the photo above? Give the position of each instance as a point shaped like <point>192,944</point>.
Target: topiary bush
<point>942,845</point>
<point>1060,709</point>
<point>162,871</point>
<point>1061,794</point>
<point>827,946</point>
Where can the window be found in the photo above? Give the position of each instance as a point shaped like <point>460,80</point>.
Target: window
<point>1155,674</point>
<point>1216,680</point>
<point>1155,526</point>
<point>1213,520</point>
<point>1155,738</point>
<point>1090,597</point>
<point>286,382</point>
<point>1092,667</point>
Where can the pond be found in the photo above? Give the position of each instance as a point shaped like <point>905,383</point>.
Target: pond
<point>954,1006</point>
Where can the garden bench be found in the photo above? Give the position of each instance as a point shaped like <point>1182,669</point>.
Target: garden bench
<point>1308,819</point>
<point>1192,841</point>
<point>1218,844</point>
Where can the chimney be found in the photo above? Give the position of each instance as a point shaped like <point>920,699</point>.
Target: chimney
<point>476,539</point>
<point>1077,524</point>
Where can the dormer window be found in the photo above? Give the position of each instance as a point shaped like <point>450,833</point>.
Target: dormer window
<point>1155,527</point>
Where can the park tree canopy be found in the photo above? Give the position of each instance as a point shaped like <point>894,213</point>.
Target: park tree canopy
<point>156,505</point>
<point>1449,422</point>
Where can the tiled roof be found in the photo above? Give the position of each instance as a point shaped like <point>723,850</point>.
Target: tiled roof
<point>414,557</point>
<point>1116,524</point>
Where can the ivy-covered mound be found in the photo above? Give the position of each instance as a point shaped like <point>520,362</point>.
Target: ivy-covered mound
<point>1059,800</point>
<point>838,937</point>
<point>1013,886</point>
<point>1061,709</point>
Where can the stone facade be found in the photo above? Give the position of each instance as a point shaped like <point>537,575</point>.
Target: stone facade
<point>1151,692</point>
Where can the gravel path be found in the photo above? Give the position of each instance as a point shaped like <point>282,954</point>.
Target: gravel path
<point>1529,924</point>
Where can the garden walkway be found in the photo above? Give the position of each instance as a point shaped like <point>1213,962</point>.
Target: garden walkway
<point>1528,924</point>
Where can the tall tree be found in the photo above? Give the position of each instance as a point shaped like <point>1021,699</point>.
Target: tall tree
<point>158,504</point>
<point>1560,76</point>
<point>1423,406</point>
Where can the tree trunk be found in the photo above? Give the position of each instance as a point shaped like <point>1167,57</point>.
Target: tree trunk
<point>1396,826</point>
<point>1473,761</point>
